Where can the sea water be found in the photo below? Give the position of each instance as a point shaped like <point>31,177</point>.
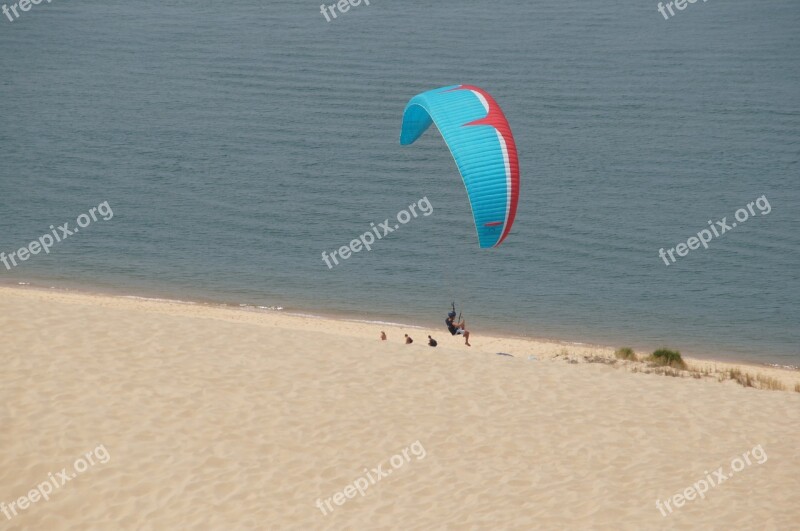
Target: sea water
<point>236,141</point>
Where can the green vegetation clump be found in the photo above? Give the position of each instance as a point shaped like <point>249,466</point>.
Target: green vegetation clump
<point>626,353</point>
<point>667,358</point>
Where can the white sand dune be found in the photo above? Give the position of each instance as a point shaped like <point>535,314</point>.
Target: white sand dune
<point>224,419</point>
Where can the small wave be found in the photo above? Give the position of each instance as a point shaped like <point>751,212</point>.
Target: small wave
<point>779,366</point>
<point>387,323</point>
<point>156,299</point>
<point>257,307</point>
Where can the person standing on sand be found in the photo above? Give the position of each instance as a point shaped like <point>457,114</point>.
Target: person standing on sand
<point>457,329</point>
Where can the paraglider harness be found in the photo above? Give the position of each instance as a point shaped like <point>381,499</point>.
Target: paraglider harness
<point>450,320</point>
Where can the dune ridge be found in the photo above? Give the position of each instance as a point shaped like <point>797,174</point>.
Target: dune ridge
<point>216,418</point>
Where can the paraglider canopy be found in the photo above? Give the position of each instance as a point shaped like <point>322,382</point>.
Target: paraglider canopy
<point>478,135</point>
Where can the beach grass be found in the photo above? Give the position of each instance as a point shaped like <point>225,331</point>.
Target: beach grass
<point>667,358</point>
<point>626,353</point>
<point>758,381</point>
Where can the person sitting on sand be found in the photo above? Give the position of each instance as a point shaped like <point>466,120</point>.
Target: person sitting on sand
<point>383,335</point>
<point>408,339</point>
<point>432,342</point>
<point>457,329</point>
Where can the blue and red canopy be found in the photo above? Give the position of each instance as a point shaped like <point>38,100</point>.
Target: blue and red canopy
<point>478,135</point>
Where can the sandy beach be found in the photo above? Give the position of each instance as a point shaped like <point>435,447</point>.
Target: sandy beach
<point>184,416</point>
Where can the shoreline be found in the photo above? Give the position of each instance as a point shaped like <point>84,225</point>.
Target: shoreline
<point>701,355</point>
<point>541,348</point>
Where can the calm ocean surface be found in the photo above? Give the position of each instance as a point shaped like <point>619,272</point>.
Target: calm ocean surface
<point>235,141</point>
